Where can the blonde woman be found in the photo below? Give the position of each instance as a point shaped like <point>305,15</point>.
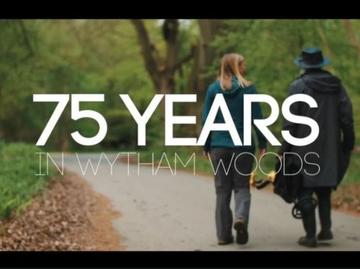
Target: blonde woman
<point>232,84</point>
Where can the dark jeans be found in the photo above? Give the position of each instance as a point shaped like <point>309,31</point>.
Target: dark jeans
<point>229,178</point>
<point>323,195</point>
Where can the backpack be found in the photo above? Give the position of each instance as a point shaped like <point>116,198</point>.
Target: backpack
<point>288,186</point>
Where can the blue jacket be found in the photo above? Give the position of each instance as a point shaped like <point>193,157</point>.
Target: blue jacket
<point>234,100</point>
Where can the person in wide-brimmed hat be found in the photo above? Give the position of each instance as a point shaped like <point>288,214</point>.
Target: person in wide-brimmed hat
<point>311,58</point>
<point>334,144</point>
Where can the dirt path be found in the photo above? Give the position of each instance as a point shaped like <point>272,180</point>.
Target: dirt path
<point>167,212</point>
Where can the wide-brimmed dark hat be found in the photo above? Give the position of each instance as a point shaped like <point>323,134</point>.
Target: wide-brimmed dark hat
<point>311,58</point>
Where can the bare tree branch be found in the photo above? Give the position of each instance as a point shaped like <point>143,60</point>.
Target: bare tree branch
<point>184,60</point>
<point>26,40</point>
<point>170,33</point>
<point>321,32</point>
<point>147,51</point>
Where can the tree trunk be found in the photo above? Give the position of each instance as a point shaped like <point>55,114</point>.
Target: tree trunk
<point>204,57</point>
<point>161,70</point>
<point>147,52</point>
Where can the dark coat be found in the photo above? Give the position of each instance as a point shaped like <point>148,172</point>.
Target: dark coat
<point>335,119</point>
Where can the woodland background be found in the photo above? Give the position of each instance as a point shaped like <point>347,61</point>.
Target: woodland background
<point>144,57</point>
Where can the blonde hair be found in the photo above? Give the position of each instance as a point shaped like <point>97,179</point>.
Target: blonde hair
<point>230,66</point>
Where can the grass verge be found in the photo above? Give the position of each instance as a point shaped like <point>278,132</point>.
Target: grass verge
<point>18,180</point>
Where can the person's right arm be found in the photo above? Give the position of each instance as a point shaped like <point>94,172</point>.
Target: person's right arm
<point>346,121</point>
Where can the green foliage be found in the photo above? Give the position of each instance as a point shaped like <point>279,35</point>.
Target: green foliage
<point>66,56</point>
<point>18,182</point>
<point>103,56</point>
<point>270,47</point>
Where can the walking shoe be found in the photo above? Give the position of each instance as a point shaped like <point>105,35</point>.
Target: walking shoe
<point>226,242</point>
<point>325,235</point>
<point>307,242</point>
<point>242,235</point>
